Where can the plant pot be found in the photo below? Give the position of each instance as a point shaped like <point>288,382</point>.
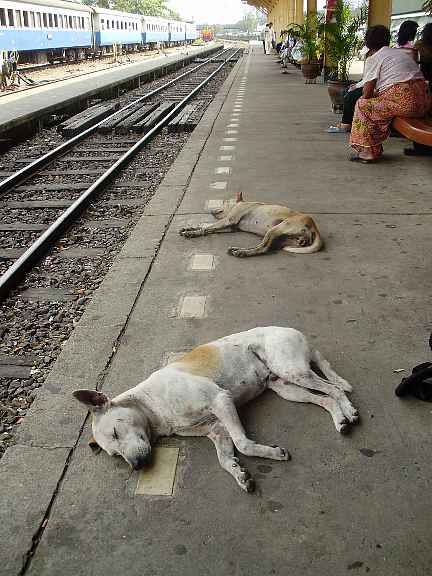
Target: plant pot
<point>336,90</point>
<point>311,70</point>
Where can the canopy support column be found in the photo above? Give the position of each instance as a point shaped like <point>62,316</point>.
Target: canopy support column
<point>380,12</point>
<point>311,6</point>
<point>299,14</point>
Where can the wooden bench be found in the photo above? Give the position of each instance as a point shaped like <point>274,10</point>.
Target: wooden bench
<point>416,129</point>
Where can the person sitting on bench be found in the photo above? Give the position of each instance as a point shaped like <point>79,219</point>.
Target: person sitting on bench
<point>393,86</point>
<point>424,49</point>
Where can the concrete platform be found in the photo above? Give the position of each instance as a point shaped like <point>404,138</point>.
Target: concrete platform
<point>27,106</point>
<point>344,505</point>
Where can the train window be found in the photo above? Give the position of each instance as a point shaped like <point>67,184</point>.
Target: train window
<point>10,17</point>
<point>117,24</point>
<point>65,22</point>
<point>18,18</point>
<point>50,20</point>
<point>44,20</point>
<point>2,17</point>
<point>75,25</point>
<point>70,21</point>
<point>38,20</point>
<point>102,24</point>
<point>55,21</point>
<point>112,24</point>
<point>32,19</point>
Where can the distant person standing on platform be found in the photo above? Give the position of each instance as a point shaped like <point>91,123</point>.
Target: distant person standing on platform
<point>273,40</point>
<point>268,36</point>
<point>263,33</point>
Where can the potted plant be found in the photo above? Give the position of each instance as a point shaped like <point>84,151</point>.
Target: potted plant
<point>342,43</point>
<point>309,44</point>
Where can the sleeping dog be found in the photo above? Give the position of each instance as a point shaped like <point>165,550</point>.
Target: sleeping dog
<point>279,227</point>
<point>198,395</point>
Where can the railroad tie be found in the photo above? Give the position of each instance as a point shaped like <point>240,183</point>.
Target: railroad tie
<point>154,118</point>
<point>87,118</point>
<point>110,123</point>
<point>126,125</point>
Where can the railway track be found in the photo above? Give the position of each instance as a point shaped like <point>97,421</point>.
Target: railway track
<point>86,164</point>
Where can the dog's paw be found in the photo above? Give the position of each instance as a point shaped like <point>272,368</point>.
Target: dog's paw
<point>350,412</point>
<point>246,482</point>
<point>343,427</point>
<point>239,252</point>
<point>280,453</point>
<point>187,232</point>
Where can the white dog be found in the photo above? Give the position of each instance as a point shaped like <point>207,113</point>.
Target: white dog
<point>198,394</point>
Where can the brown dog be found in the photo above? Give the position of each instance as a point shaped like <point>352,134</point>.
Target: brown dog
<point>280,227</point>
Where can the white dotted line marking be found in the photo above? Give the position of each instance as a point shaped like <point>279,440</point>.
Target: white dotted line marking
<point>222,170</point>
<point>230,139</point>
<point>214,204</point>
<point>158,480</point>
<point>193,307</point>
<point>231,132</point>
<point>202,262</point>
<point>218,185</point>
<point>224,158</point>
<point>226,148</point>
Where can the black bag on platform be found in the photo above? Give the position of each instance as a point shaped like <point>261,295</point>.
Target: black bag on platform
<point>419,384</point>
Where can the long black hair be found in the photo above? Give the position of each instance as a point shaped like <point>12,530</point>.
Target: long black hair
<point>377,37</point>
<point>426,36</point>
<point>407,32</point>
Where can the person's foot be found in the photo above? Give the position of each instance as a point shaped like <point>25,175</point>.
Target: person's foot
<point>363,159</point>
<point>339,129</point>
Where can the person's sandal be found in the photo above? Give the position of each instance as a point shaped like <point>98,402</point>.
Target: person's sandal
<point>362,160</point>
<point>337,130</point>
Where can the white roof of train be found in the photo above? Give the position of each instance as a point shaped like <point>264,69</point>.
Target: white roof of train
<point>57,4</point>
<point>153,18</point>
<point>115,12</point>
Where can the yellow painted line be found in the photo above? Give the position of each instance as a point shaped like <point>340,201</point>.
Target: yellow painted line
<point>158,479</point>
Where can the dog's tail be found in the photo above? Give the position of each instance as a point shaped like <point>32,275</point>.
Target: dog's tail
<point>316,245</point>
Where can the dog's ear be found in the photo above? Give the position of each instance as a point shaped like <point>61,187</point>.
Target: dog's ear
<point>95,401</point>
<point>239,197</point>
<point>94,445</point>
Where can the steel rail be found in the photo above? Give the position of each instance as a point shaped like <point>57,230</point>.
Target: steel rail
<point>31,169</point>
<point>33,254</point>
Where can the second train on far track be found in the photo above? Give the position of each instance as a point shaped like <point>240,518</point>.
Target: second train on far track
<point>47,30</point>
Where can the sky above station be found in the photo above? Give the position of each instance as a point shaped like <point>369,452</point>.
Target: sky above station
<point>213,11</point>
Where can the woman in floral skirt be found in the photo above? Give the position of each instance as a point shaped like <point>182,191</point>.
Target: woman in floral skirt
<point>393,86</point>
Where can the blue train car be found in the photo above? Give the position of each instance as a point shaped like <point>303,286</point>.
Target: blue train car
<point>191,32</point>
<point>42,30</point>
<point>177,31</point>
<point>114,27</point>
<point>154,30</point>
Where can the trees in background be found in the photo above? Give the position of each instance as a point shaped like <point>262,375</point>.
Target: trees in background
<point>251,19</point>
<point>146,7</point>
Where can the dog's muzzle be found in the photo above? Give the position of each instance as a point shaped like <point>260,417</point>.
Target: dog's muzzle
<point>140,461</point>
